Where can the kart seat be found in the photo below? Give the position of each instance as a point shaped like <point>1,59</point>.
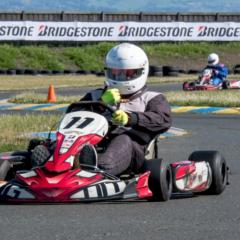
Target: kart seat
<point>152,149</point>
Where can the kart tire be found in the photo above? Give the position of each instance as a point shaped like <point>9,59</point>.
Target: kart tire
<point>160,179</point>
<point>40,155</point>
<point>185,85</point>
<point>218,166</point>
<point>5,166</point>
<point>158,74</point>
<point>225,84</point>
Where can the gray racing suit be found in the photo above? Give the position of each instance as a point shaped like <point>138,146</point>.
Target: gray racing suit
<point>150,115</point>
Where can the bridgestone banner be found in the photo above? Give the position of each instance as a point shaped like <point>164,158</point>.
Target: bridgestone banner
<point>119,31</point>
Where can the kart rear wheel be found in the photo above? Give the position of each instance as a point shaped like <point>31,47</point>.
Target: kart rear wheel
<point>5,166</point>
<point>225,84</point>
<point>218,167</point>
<point>160,179</point>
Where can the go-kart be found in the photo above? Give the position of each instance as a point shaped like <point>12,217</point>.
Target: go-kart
<point>204,83</point>
<point>66,170</point>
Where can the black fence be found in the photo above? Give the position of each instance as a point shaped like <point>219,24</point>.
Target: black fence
<point>117,17</point>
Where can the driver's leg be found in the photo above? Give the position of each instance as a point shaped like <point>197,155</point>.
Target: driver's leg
<point>216,81</point>
<point>121,153</point>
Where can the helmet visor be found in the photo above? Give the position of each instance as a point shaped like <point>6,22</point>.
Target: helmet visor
<point>123,74</point>
<point>211,61</point>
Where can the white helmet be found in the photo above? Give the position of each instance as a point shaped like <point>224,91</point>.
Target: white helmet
<point>126,68</point>
<point>213,59</point>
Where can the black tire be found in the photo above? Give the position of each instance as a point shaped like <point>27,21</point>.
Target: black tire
<point>225,84</point>
<point>218,166</point>
<point>157,68</point>
<point>81,72</point>
<point>5,166</point>
<point>183,71</point>
<point>11,71</point>
<point>20,71</point>
<point>57,72</point>
<point>236,69</point>
<point>45,72</point>
<point>40,155</point>
<point>30,72</point>
<point>100,73</point>
<point>173,74</point>
<point>193,71</point>
<point>160,179</point>
<point>33,143</point>
<point>69,71</point>
<point>170,71</point>
<point>3,71</point>
<point>158,74</point>
<point>186,85</point>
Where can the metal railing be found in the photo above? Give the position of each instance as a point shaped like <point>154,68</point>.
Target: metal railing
<point>116,17</point>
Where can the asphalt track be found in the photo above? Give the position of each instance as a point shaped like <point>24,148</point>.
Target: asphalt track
<point>82,90</point>
<point>200,217</point>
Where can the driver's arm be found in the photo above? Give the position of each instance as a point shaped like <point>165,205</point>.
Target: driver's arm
<point>156,118</point>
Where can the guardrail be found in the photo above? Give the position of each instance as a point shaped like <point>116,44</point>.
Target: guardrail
<point>116,17</point>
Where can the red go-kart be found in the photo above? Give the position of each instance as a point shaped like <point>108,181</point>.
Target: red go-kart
<point>70,172</point>
<point>204,83</point>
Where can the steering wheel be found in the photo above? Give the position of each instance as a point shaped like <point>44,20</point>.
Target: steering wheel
<point>93,106</point>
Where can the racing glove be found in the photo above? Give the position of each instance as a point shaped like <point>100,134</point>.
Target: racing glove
<point>215,72</point>
<point>111,96</point>
<point>120,117</point>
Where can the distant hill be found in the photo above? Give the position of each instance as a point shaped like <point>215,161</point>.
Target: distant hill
<point>121,6</point>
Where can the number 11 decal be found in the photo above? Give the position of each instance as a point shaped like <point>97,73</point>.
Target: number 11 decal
<point>75,120</point>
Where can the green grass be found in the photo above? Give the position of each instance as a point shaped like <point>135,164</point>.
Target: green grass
<point>221,98</point>
<point>15,129</point>
<point>36,98</point>
<point>40,58</point>
<point>25,82</point>
<point>91,56</point>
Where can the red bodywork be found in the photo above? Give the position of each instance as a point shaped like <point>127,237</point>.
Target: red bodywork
<point>58,163</point>
<point>56,187</point>
<point>193,86</point>
<point>187,172</point>
<point>57,181</point>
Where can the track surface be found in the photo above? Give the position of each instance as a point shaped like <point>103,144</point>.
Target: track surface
<point>202,217</point>
<point>82,90</point>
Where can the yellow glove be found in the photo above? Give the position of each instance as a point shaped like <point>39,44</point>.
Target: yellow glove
<point>111,96</point>
<point>120,117</point>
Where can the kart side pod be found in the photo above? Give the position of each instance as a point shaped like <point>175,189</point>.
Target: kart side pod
<point>191,176</point>
<point>204,171</point>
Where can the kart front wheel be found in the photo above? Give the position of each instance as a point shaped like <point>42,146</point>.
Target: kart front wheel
<point>225,84</point>
<point>218,167</point>
<point>160,179</point>
<point>185,86</point>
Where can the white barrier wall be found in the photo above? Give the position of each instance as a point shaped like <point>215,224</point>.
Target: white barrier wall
<point>119,31</point>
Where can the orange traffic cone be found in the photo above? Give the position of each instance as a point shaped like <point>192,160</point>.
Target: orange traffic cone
<point>51,94</point>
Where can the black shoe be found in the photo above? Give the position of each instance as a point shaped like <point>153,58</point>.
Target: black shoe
<point>88,156</point>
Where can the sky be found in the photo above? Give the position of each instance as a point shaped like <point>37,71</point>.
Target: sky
<point>122,6</point>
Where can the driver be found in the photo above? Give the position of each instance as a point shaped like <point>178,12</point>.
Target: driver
<point>219,70</point>
<point>140,114</point>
